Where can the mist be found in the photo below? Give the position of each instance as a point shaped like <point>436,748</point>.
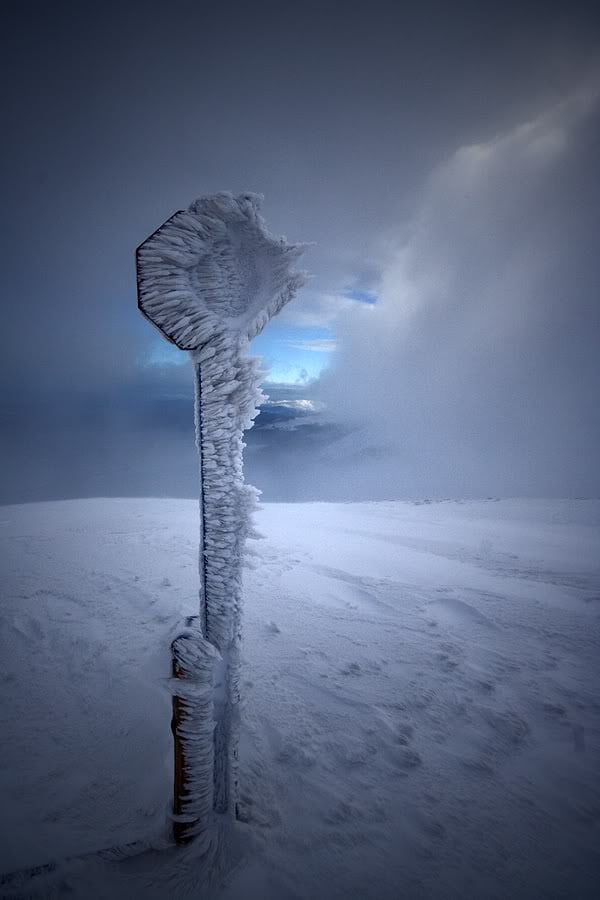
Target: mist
<point>476,372</point>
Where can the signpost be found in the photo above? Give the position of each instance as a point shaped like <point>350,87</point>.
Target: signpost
<point>209,279</point>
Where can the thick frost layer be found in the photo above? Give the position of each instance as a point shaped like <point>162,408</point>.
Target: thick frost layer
<point>210,279</point>
<point>196,662</point>
<point>227,395</point>
<point>214,268</point>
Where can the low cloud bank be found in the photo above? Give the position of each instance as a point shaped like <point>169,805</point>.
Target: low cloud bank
<point>477,371</point>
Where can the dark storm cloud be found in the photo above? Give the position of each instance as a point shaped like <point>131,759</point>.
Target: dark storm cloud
<point>116,114</point>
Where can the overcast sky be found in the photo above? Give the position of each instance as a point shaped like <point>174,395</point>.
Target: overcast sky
<point>443,157</point>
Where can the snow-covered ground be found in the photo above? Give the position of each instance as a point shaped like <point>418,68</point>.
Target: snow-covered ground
<point>420,699</point>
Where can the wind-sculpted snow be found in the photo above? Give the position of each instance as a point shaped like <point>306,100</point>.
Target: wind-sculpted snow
<point>210,279</point>
<point>420,696</point>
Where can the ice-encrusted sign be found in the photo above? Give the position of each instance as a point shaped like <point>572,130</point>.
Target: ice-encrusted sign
<point>210,279</point>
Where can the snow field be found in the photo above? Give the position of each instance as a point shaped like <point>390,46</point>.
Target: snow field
<point>420,712</point>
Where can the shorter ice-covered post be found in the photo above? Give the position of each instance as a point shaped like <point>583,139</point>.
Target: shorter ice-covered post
<point>210,279</point>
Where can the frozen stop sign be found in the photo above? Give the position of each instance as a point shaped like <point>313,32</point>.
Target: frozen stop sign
<point>210,279</point>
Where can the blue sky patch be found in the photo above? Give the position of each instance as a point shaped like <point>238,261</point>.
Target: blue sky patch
<point>361,296</point>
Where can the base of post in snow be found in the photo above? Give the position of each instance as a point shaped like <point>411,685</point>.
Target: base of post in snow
<point>193,722</point>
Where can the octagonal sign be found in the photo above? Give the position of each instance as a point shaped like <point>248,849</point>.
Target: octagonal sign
<point>215,268</point>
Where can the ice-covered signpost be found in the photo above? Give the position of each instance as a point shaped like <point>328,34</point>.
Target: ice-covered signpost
<point>210,278</point>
